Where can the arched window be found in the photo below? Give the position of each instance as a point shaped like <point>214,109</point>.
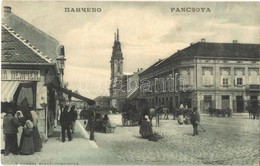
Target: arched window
<point>207,78</point>
<point>184,77</point>
<point>239,79</point>
<point>225,81</point>
<point>253,77</point>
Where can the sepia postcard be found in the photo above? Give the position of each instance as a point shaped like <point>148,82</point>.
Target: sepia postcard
<point>130,82</point>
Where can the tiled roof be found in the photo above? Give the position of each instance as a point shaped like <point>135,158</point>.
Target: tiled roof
<point>45,43</point>
<point>213,50</point>
<point>16,49</point>
<point>153,65</point>
<point>220,50</point>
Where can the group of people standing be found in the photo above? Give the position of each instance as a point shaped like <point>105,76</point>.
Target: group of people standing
<point>146,130</point>
<point>30,140</point>
<point>68,119</point>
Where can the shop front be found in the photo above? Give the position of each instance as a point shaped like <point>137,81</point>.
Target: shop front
<point>26,90</point>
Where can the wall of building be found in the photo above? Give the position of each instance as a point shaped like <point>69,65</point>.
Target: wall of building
<point>201,78</point>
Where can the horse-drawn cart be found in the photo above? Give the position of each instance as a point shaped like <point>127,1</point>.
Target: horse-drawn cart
<point>130,115</point>
<point>130,119</point>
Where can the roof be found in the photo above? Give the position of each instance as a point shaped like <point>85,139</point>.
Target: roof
<point>45,43</point>
<point>152,66</point>
<point>213,50</point>
<point>117,53</point>
<point>72,94</point>
<point>220,50</point>
<point>102,99</point>
<point>134,94</point>
<point>16,49</point>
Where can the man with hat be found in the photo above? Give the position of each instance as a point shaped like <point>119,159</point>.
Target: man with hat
<point>10,125</point>
<point>195,119</point>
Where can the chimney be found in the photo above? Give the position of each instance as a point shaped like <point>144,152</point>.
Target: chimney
<point>7,10</point>
<point>61,50</point>
<point>203,40</point>
<point>234,41</point>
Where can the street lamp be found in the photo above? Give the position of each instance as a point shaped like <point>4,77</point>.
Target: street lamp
<point>61,63</point>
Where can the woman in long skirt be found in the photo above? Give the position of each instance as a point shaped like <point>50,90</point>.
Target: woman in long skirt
<point>146,128</point>
<point>36,135</point>
<point>26,143</point>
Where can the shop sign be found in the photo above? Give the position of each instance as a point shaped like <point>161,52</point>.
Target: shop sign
<point>254,88</point>
<point>20,75</point>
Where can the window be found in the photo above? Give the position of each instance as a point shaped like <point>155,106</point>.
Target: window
<point>239,81</point>
<point>225,97</point>
<point>225,81</point>
<point>208,97</point>
<point>184,78</point>
<point>118,68</point>
<point>207,78</point>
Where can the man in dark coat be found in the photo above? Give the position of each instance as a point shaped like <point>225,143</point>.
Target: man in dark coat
<point>10,125</point>
<point>65,122</point>
<point>92,120</point>
<point>195,119</point>
<point>73,116</point>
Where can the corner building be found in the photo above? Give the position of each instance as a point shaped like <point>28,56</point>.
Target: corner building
<point>204,75</point>
<point>29,66</point>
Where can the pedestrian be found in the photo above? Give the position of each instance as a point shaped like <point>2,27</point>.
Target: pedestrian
<point>37,142</point>
<point>195,120</point>
<point>19,115</point>
<point>73,116</point>
<point>65,122</point>
<point>92,121</point>
<point>106,125</point>
<point>146,130</point>
<point>2,129</point>
<point>26,143</point>
<point>10,125</point>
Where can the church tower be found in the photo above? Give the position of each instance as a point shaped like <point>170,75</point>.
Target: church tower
<point>116,64</point>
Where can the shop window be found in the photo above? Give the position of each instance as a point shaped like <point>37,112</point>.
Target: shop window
<point>253,97</point>
<point>207,97</point>
<point>225,97</point>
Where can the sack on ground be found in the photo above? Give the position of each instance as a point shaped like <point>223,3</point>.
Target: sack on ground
<point>155,137</point>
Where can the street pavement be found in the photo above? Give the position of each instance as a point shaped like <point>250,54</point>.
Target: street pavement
<point>55,152</point>
<point>226,141</point>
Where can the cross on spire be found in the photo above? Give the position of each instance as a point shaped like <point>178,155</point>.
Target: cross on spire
<point>117,34</point>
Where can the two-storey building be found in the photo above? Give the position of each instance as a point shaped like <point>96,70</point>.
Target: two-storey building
<point>205,74</point>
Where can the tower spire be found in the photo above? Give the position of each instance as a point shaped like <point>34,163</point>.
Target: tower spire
<point>117,34</point>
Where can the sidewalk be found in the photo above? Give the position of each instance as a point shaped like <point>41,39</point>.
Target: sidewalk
<point>55,152</point>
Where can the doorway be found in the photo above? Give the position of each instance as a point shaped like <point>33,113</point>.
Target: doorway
<point>240,103</point>
<point>225,102</point>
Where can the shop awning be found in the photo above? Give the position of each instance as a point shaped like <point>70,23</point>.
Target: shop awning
<point>72,94</point>
<point>8,88</point>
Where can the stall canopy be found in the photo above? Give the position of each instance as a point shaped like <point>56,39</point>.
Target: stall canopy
<point>8,89</point>
<point>72,94</point>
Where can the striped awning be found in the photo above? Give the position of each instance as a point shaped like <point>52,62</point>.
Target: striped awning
<point>8,89</point>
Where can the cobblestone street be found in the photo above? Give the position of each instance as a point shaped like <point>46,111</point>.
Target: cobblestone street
<point>226,141</point>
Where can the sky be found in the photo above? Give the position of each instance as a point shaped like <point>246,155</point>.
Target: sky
<point>148,31</point>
